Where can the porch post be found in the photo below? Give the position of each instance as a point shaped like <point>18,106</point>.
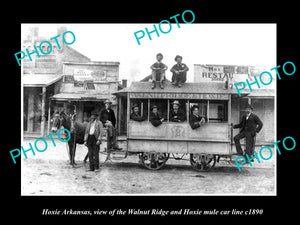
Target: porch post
<point>43,111</point>
<point>49,116</point>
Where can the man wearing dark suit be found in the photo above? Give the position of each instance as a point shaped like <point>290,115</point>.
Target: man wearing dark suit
<point>107,117</point>
<point>92,139</point>
<point>177,114</point>
<point>250,125</point>
<point>195,119</point>
<point>155,118</point>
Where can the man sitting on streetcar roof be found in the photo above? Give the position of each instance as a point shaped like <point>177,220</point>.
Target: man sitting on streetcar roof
<point>135,115</point>
<point>158,71</point>
<point>195,119</point>
<point>155,117</point>
<point>176,113</point>
<point>179,71</point>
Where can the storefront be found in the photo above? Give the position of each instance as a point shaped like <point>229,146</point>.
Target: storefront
<point>36,91</point>
<point>262,99</point>
<point>85,87</point>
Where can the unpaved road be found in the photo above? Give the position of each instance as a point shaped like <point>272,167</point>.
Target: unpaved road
<point>49,173</point>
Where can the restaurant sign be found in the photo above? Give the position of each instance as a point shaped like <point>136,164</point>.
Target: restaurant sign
<point>179,95</point>
<point>221,73</point>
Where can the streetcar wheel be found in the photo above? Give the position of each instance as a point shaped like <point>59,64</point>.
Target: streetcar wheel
<point>154,161</point>
<point>202,162</point>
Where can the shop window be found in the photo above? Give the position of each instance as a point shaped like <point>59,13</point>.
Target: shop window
<point>89,85</point>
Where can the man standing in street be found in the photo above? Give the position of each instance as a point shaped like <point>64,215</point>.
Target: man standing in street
<point>107,117</point>
<point>250,125</point>
<point>92,139</point>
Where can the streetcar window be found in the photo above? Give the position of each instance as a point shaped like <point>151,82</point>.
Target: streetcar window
<point>214,111</point>
<point>142,107</point>
<point>202,107</point>
<point>179,108</point>
<point>162,105</point>
<point>218,111</point>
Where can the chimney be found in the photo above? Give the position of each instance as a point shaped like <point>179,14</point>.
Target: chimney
<point>61,30</point>
<point>124,83</point>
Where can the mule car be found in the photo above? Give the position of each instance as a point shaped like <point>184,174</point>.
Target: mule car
<point>155,145</point>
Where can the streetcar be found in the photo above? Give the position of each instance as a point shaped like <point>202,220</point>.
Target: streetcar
<point>204,146</point>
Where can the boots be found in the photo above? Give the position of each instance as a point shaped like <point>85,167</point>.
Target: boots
<point>161,84</point>
<point>153,84</point>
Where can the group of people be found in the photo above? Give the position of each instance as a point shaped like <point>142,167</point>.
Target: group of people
<point>176,115</point>
<point>94,132</point>
<point>179,71</point>
<point>250,123</point>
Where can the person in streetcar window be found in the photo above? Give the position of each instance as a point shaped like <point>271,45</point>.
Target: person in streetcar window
<point>135,115</point>
<point>195,119</point>
<point>176,113</point>
<point>155,117</point>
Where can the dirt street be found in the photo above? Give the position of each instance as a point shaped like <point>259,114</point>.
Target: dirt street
<point>49,173</point>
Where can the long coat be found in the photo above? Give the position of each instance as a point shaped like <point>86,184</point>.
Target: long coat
<point>108,115</point>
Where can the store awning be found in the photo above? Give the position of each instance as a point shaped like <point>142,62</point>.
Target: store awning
<point>262,93</point>
<point>80,97</point>
<point>39,80</point>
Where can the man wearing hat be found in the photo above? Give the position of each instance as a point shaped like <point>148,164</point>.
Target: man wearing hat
<point>107,117</point>
<point>176,113</point>
<point>135,115</point>
<point>179,71</point>
<point>92,139</point>
<point>195,119</point>
<point>250,125</point>
<point>155,118</point>
<point>158,71</point>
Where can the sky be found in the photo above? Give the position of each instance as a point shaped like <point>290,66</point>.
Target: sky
<point>225,44</point>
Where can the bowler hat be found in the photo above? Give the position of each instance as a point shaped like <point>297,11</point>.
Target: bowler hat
<point>176,102</point>
<point>178,56</point>
<point>249,106</point>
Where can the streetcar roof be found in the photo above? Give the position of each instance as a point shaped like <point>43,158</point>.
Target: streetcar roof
<point>187,88</point>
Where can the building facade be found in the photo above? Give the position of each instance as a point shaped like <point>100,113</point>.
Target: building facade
<point>262,99</point>
<point>85,86</point>
<point>63,79</point>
